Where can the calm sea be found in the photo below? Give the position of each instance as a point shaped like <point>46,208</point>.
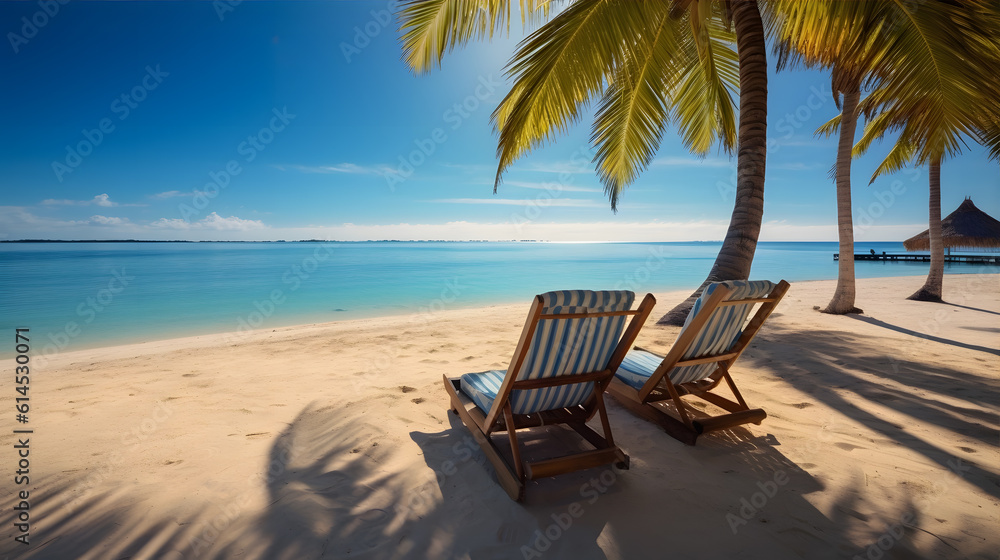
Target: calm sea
<point>81,295</point>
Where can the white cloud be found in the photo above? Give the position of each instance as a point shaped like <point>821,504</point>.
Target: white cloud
<point>585,166</point>
<point>700,230</point>
<point>693,162</point>
<point>215,221</point>
<point>17,219</point>
<point>803,141</point>
<point>172,194</point>
<point>211,222</point>
<point>552,186</point>
<point>473,167</point>
<point>102,200</point>
<point>516,230</point>
<point>350,168</point>
<point>108,221</point>
<point>541,201</point>
<point>18,223</point>
<point>798,166</point>
<point>171,223</point>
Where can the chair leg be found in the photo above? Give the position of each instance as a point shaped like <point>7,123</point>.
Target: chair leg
<point>681,409</point>
<point>732,387</point>
<point>515,450</point>
<point>506,475</point>
<point>629,398</point>
<point>606,424</point>
<point>599,396</point>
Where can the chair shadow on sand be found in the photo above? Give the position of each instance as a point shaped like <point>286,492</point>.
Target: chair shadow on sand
<point>335,484</point>
<point>579,515</point>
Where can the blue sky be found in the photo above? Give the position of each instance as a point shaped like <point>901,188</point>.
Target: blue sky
<point>287,120</point>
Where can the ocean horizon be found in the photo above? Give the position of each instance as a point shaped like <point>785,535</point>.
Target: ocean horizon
<point>79,295</point>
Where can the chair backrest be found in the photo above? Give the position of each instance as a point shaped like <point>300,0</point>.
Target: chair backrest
<point>570,346</point>
<point>723,328</point>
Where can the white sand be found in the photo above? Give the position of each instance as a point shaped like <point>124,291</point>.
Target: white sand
<point>334,441</point>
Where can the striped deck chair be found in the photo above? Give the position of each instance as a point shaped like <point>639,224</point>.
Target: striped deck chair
<point>714,335</point>
<point>571,344</point>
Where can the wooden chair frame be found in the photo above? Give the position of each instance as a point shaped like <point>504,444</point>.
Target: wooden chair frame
<point>685,427</point>
<point>500,418</point>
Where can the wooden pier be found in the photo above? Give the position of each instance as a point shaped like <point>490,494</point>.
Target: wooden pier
<point>909,257</point>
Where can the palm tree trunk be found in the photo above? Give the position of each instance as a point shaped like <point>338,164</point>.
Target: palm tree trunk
<point>843,296</point>
<point>935,277</point>
<point>736,255</point>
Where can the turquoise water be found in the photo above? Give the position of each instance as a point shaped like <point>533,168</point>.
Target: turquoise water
<point>81,295</point>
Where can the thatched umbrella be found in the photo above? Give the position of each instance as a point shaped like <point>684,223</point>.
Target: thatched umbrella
<point>966,227</point>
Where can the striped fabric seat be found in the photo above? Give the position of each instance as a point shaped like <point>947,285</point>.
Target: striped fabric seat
<point>559,347</point>
<point>718,336</point>
<point>483,387</point>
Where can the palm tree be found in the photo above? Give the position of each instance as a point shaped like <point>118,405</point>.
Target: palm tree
<point>651,62</point>
<point>929,63</point>
<point>843,296</point>
<point>809,33</point>
<point>938,88</point>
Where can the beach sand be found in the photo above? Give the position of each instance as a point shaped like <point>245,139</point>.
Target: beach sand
<point>334,441</point>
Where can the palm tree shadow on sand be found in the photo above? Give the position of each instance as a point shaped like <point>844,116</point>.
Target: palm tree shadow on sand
<point>326,496</point>
<point>337,485</point>
<point>692,495</point>
<point>868,369</point>
<point>323,499</point>
<point>932,338</point>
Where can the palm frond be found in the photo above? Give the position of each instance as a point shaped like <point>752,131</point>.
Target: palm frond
<point>559,68</point>
<point>431,28</point>
<point>899,156</point>
<point>703,106</point>
<point>876,128</point>
<point>989,135</point>
<point>933,64</point>
<point>830,127</point>
<point>633,113</point>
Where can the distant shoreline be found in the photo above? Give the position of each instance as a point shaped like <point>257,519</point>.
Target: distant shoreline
<point>299,241</point>
<point>710,241</point>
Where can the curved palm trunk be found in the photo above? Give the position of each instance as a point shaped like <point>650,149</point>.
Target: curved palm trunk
<point>736,255</point>
<point>843,296</point>
<point>935,277</point>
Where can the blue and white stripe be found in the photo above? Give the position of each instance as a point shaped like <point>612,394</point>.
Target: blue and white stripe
<point>723,328</point>
<point>560,347</point>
